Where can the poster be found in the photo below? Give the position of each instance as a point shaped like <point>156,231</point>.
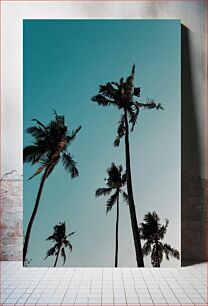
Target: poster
<point>80,78</point>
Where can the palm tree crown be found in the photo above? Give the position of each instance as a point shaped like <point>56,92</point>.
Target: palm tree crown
<point>153,232</point>
<point>60,238</point>
<point>50,146</point>
<point>115,181</point>
<point>123,95</point>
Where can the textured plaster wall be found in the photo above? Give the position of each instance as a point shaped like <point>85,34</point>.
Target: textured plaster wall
<point>194,222</point>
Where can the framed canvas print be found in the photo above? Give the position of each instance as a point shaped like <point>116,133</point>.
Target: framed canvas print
<point>102,143</point>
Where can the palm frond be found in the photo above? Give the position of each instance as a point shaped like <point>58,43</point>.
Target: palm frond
<point>163,230</point>
<point>59,119</point>
<point>150,226</point>
<point>52,237</point>
<point>103,191</point>
<point>70,165</point>
<point>125,197</point>
<point>63,254</point>
<point>129,82</point>
<point>32,153</point>
<point>137,91</point>
<point>133,112</point>
<point>111,201</point>
<point>51,252</point>
<point>37,132</point>
<point>40,124</point>
<point>159,106</point>
<point>150,105</point>
<point>120,130</point>
<point>68,244</point>
<point>121,126</point>
<point>120,169</point>
<point>116,84</point>
<point>133,69</point>
<point>101,100</point>
<point>72,233</point>
<point>74,133</point>
<point>114,179</point>
<point>171,251</point>
<point>112,170</point>
<point>116,142</point>
<point>123,178</point>
<point>108,90</point>
<point>40,169</point>
<point>147,247</point>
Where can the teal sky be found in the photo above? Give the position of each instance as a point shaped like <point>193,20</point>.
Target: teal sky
<point>64,63</point>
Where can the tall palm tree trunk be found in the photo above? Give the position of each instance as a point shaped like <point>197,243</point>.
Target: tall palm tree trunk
<point>117,221</point>
<point>57,257</point>
<point>29,228</point>
<point>132,210</point>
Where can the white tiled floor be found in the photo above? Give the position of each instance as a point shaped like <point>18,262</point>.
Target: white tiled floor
<point>103,286</point>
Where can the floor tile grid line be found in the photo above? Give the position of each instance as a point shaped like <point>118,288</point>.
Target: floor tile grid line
<point>91,282</point>
<point>135,286</point>
<point>191,271</point>
<point>168,288</point>
<point>122,275</point>
<point>175,296</point>
<point>199,292</point>
<point>103,288</point>
<point>187,295</point>
<point>80,285</point>
<point>1,276</point>
<point>204,274</point>
<point>134,280</point>
<point>173,291</point>
<point>74,270</point>
<point>113,284</point>
<point>187,278</point>
<point>160,288</point>
<point>174,277</point>
<point>35,286</point>
<point>2,301</point>
<point>147,289</point>
<point>206,283</point>
<point>200,270</point>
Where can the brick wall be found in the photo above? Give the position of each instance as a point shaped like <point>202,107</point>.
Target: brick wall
<point>11,215</point>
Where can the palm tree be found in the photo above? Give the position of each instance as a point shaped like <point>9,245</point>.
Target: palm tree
<point>59,237</point>
<point>122,95</point>
<point>49,147</point>
<point>115,181</point>
<point>152,231</point>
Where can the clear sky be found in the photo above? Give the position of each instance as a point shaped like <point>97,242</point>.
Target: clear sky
<point>65,61</point>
